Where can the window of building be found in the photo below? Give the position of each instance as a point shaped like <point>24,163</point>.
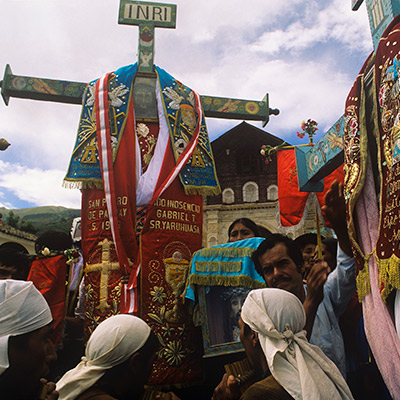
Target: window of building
<point>272,192</point>
<point>212,241</point>
<point>250,192</point>
<point>228,196</point>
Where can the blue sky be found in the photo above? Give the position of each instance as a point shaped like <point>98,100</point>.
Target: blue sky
<point>305,54</point>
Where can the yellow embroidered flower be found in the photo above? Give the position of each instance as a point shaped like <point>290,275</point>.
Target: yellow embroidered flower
<point>158,294</point>
<point>174,353</point>
<point>168,331</point>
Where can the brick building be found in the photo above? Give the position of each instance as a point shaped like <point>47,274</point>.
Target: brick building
<point>248,186</point>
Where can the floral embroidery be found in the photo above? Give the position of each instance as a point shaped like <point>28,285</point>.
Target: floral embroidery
<point>158,294</point>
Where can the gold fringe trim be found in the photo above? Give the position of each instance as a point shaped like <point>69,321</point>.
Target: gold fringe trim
<point>230,252</point>
<point>72,184</point>
<point>218,266</point>
<point>389,275</point>
<point>363,282</point>
<point>222,280</point>
<point>83,184</point>
<point>202,190</point>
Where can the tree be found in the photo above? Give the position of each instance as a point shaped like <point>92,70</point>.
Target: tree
<point>12,219</point>
<point>27,227</point>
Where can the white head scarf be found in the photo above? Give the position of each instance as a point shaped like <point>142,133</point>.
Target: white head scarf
<point>300,367</point>
<point>110,344</point>
<point>23,309</point>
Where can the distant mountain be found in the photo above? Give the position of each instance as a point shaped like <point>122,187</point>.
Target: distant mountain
<point>44,218</point>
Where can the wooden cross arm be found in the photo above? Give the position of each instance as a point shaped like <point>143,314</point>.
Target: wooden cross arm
<point>26,87</point>
<point>355,4</point>
<point>222,107</point>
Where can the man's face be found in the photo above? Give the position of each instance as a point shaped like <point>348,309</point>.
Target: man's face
<point>243,337</point>
<point>280,271</point>
<point>35,357</point>
<point>252,350</point>
<point>308,257</point>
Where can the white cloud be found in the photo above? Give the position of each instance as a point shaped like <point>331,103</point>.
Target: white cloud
<point>40,187</point>
<point>296,51</point>
<point>335,22</point>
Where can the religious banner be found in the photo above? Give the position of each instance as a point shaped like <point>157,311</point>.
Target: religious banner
<point>293,204</point>
<point>355,161</point>
<point>387,84</point>
<point>127,170</point>
<point>171,234</point>
<point>102,271</point>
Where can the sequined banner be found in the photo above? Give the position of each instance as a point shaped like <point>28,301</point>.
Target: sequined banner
<point>171,234</point>
<point>387,84</point>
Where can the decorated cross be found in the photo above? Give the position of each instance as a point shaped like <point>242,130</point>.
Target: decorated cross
<point>147,16</point>
<point>104,267</point>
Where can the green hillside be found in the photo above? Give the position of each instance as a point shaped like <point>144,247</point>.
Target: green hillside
<point>43,218</point>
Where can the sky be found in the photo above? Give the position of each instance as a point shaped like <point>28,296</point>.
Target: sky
<point>304,54</point>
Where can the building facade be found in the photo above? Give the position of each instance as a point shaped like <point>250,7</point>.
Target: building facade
<point>248,186</point>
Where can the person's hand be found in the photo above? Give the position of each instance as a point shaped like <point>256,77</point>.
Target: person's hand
<point>307,266</point>
<point>334,211</point>
<point>48,391</point>
<point>316,279</point>
<point>228,389</point>
<point>334,207</point>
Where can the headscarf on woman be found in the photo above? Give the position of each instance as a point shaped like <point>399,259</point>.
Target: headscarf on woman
<point>23,309</point>
<point>303,370</point>
<point>114,341</point>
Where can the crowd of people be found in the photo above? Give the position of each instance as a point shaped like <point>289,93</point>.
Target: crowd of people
<point>294,331</point>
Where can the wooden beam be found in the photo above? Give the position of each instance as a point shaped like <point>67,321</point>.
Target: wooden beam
<point>26,87</point>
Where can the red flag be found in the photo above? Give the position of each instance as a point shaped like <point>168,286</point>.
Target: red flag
<point>292,202</point>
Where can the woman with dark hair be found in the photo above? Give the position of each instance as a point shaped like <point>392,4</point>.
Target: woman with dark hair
<point>242,228</point>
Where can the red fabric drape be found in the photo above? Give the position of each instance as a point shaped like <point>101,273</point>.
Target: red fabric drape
<point>49,276</point>
<point>292,202</point>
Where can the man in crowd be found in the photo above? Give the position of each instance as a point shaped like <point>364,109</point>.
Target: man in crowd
<point>326,295</point>
<point>25,346</point>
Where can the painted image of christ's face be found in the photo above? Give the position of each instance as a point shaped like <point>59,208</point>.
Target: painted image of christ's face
<point>236,308</point>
